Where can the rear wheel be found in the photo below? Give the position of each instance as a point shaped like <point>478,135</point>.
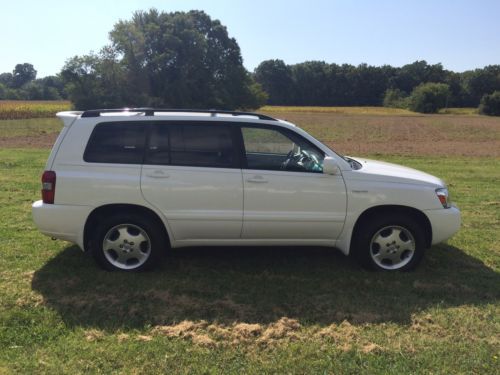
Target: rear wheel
<point>128,243</point>
<point>390,243</point>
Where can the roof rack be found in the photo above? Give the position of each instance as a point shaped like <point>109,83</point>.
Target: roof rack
<point>151,112</point>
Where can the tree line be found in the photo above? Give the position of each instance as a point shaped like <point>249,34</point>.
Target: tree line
<point>318,83</point>
<point>188,60</point>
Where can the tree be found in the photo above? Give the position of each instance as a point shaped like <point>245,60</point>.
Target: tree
<point>311,83</point>
<point>490,104</point>
<point>22,74</point>
<point>96,81</point>
<point>480,82</point>
<point>429,97</point>
<point>164,59</point>
<point>174,59</point>
<point>276,80</point>
<point>6,79</point>
<point>53,87</point>
<point>411,75</point>
<point>369,84</point>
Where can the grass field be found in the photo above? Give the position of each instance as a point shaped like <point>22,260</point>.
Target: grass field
<point>263,310</point>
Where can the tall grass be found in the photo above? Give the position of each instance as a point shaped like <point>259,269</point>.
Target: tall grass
<point>23,109</point>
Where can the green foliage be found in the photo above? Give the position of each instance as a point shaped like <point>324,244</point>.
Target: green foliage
<point>257,97</point>
<point>22,85</point>
<point>490,104</point>
<point>429,97</point>
<point>316,83</point>
<point>276,79</point>
<point>95,81</point>
<point>480,82</point>
<point>179,60</point>
<point>395,98</point>
<point>22,74</point>
<point>411,75</point>
<point>6,79</point>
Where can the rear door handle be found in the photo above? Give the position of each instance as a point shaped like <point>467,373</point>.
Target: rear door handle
<point>257,179</point>
<point>158,174</point>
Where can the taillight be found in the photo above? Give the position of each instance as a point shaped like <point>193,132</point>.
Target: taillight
<point>48,186</point>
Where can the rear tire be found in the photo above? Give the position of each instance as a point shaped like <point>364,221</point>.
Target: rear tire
<point>128,242</point>
<point>393,242</point>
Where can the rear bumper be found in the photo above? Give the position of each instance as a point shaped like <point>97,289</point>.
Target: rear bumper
<point>65,222</point>
<point>445,223</point>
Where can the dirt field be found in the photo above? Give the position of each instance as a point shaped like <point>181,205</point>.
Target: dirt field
<point>438,135</point>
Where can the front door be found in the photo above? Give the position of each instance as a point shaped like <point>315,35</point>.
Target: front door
<point>286,195</point>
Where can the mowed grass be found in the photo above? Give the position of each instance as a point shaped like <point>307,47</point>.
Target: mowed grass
<point>24,109</point>
<point>29,127</point>
<point>255,310</point>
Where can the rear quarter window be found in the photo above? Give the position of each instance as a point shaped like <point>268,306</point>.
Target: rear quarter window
<point>120,143</point>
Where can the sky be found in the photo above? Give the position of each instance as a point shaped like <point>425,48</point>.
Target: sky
<point>460,34</point>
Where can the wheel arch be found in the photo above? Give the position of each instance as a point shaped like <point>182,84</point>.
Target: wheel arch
<point>416,214</point>
<point>112,209</point>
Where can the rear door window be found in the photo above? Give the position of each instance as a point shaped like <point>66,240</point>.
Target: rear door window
<point>192,145</point>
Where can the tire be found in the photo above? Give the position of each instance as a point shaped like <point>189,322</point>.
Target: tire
<point>393,242</point>
<point>128,242</point>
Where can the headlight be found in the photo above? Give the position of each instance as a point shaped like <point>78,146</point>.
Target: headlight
<point>443,197</point>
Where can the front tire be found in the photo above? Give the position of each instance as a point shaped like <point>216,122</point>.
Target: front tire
<point>392,242</point>
<point>127,242</point>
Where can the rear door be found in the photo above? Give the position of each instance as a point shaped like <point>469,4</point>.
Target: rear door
<point>286,195</point>
<point>192,174</point>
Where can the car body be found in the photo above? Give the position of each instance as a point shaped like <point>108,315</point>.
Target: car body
<point>217,178</point>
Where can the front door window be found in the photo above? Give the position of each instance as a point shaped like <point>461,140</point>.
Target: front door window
<point>270,149</point>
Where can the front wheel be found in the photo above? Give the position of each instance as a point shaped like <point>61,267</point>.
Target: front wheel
<point>390,243</point>
<point>127,243</point>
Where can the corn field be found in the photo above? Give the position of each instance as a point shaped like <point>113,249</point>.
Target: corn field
<point>23,109</point>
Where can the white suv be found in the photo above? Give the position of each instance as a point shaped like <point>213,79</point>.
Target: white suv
<point>128,184</point>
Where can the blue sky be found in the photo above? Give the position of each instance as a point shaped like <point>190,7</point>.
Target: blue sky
<point>459,34</point>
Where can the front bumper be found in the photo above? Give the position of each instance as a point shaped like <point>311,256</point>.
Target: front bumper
<point>445,223</point>
<point>65,222</point>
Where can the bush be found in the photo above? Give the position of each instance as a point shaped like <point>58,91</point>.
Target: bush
<point>429,97</point>
<point>395,98</point>
<point>490,104</point>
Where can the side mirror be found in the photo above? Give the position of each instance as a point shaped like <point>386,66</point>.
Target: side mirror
<point>330,166</point>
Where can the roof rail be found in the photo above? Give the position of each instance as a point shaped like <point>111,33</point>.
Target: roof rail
<point>151,112</point>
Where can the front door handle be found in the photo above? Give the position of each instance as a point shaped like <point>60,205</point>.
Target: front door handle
<point>257,179</point>
<point>158,174</point>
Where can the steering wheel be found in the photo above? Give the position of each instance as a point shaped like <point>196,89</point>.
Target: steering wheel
<point>289,157</point>
<point>304,160</point>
